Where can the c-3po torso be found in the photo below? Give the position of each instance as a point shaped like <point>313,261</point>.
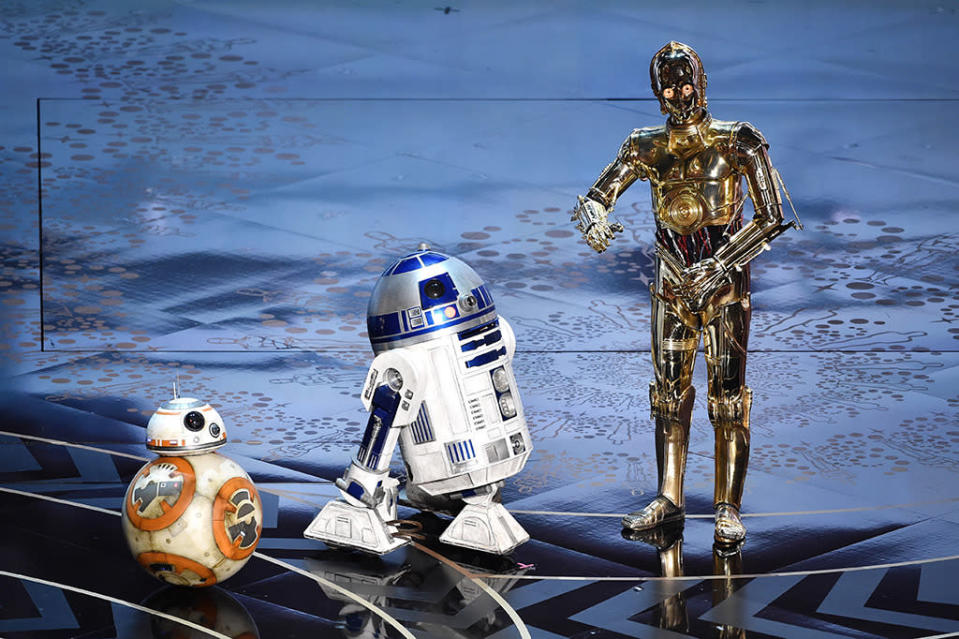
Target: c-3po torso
<point>696,176</point>
<point>691,171</point>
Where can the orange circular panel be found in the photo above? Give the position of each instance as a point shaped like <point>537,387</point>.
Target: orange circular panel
<point>232,528</point>
<point>155,489</point>
<point>177,565</point>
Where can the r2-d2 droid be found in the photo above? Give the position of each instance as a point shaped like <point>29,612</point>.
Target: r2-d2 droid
<point>441,384</point>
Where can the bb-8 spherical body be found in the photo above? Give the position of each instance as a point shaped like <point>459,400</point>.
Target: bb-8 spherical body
<point>191,517</point>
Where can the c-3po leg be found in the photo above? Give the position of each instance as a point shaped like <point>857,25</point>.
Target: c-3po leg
<point>729,402</point>
<point>730,417</point>
<point>671,398</point>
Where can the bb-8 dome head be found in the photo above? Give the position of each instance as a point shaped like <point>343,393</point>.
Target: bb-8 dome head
<point>185,426</point>
<point>424,295</point>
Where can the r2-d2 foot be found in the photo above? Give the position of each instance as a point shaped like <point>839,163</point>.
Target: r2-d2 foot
<point>340,524</point>
<point>485,525</point>
<point>365,525</point>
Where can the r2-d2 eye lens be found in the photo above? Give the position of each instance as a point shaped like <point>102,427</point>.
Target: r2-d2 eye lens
<point>500,380</point>
<point>434,289</point>
<point>507,406</point>
<point>194,421</point>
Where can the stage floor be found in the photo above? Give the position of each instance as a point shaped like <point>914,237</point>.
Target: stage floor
<point>208,191</point>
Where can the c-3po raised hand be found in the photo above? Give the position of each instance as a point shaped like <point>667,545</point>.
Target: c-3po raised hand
<point>695,166</point>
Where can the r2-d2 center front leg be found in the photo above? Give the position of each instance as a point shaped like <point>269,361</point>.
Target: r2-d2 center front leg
<point>484,524</point>
<point>362,517</point>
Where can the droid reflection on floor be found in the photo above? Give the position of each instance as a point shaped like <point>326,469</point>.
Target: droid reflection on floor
<point>671,613</point>
<point>435,598</point>
<point>212,608</point>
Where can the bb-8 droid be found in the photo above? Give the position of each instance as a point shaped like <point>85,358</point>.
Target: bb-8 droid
<point>191,517</point>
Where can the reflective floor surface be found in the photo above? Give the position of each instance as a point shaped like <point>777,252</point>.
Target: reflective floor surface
<point>208,190</point>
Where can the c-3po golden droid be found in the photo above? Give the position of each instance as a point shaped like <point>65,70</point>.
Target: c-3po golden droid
<point>695,166</point>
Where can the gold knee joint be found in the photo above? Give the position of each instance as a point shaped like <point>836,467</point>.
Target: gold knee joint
<point>731,411</point>
<point>670,402</point>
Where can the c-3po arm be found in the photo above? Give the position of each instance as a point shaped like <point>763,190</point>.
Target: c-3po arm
<point>763,182</point>
<point>592,212</point>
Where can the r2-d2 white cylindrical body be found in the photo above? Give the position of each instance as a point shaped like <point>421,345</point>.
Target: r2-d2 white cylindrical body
<point>470,430</point>
<point>442,386</point>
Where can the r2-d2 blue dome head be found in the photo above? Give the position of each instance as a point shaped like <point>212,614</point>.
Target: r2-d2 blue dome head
<point>424,295</point>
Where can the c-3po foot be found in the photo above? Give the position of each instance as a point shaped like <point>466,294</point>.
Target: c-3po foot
<point>729,527</point>
<point>658,512</point>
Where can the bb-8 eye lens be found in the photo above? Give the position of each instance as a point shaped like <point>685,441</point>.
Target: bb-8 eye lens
<point>194,421</point>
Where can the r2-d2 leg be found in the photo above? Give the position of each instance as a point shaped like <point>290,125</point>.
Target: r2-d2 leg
<point>360,519</point>
<point>484,524</point>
